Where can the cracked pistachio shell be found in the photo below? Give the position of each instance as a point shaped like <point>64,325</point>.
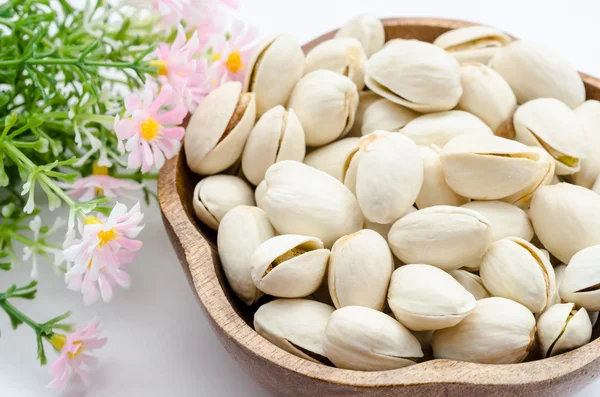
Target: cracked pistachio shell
<point>274,69</point>
<point>384,229</point>
<point>566,219</point>
<point>498,331</point>
<point>440,128</point>
<point>472,43</point>
<point>486,95</point>
<point>588,115</point>
<point>360,268</point>
<point>364,339</point>
<point>259,193</point>
<point>487,167</point>
<point>218,129</point>
<point>289,266</point>
<point>343,55</point>
<point>365,100</point>
<point>443,236</point>
<point>507,220</point>
<point>435,190</point>
<point>552,125</point>
<point>277,136</point>
<point>533,71</point>
<point>303,200</point>
<point>295,325</point>
<point>325,103</point>
<point>581,280</point>
<point>387,116</point>
<point>471,282</point>
<point>563,328</point>
<point>425,298</point>
<point>367,29</point>
<point>241,231</point>
<point>415,74</point>
<point>217,194</point>
<point>331,158</point>
<point>386,173</point>
<point>515,269</point>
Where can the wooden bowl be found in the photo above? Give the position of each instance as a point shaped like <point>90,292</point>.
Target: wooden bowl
<point>287,375</point>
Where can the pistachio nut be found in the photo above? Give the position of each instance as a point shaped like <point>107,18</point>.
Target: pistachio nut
<point>386,173</point>
<point>588,115</point>
<point>515,269</point>
<point>559,272</point>
<point>241,231</point>
<point>472,43</point>
<point>218,129</point>
<point>365,100</point>
<point>498,331</point>
<point>343,55</point>
<point>507,220</point>
<point>295,325</point>
<point>386,115</point>
<point>425,298</point>
<point>581,280</point>
<point>360,268</point>
<point>487,167</point>
<point>443,236</point>
<point>415,74</point>
<point>331,158</point>
<point>289,266</point>
<point>440,128</point>
<point>364,339</point>
<point>533,71</point>
<point>563,328</point>
<point>303,200</point>
<point>435,190</point>
<point>487,95</point>
<point>273,71</point>
<point>596,187</point>
<point>259,193</point>
<point>552,125</point>
<point>566,219</point>
<point>471,282</point>
<point>277,136</point>
<point>367,29</point>
<point>325,103</point>
<point>384,229</point>
<point>217,194</point>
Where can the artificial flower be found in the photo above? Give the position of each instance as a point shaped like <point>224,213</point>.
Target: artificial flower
<point>99,184</point>
<point>74,356</point>
<point>39,246</point>
<point>233,55</point>
<point>152,132</point>
<point>172,11</point>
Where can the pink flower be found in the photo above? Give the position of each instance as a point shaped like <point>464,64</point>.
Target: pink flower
<point>99,184</point>
<point>73,354</point>
<point>172,11</point>
<point>152,132</point>
<point>99,248</point>
<point>233,55</point>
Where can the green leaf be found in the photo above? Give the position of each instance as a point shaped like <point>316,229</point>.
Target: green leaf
<point>58,319</point>
<point>5,266</point>
<point>14,322</point>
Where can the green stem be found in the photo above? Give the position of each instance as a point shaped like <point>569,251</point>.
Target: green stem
<point>134,176</point>
<point>11,310</point>
<point>78,62</point>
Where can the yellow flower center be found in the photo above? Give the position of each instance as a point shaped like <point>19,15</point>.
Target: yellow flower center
<point>106,236</point>
<point>234,62</point>
<point>58,341</point>
<point>150,128</point>
<point>216,56</point>
<point>161,65</point>
<point>99,170</point>
<point>78,351</point>
<point>91,220</point>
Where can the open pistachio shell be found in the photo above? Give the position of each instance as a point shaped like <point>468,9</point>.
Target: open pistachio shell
<point>472,43</point>
<point>471,282</point>
<point>435,190</point>
<point>295,325</point>
<point>343,55</point>
<point>331,158</point>
<point>367,29</point>
<point>273,71</point>
<point>387,116</point>
<point>588,115</point>
<point>217,194</point>
<point>277,136</point>
<point>562,328</point>
<point>217,132</point>
<point>507,220</point>
<point>581,280</point>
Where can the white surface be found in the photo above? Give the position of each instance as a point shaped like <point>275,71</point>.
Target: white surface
<point>160,343</point>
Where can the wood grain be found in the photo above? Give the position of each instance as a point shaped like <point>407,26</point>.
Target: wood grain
<point>287,375</point>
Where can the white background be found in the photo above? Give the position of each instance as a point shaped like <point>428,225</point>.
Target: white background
<point>160,344</point>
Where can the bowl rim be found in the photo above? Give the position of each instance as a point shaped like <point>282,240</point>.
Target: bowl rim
<point>197,255</point>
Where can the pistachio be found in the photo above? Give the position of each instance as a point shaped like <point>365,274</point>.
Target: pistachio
<point>343,55</point>
<point>217,132</point>
<point>581,280</point>
<point>215,195</point>
<point>562,328</point>
<point>507,220</point>
<point>471,282</point>
<point>498,331</point>
<point>295,325</point>
<point>588,115</point>
<point>384,229</point>
<point>325,103</point>
<point>387,116</point>
<point>275,68</point>
<point>360,268</point>
<point>259,194</point>
<point>367,29</point>
<point>277,136</point>
<point>425,298</point>
<point>472,43</point>
<point>365,100</point>
<point>331,158</point>
<point>364,339</point>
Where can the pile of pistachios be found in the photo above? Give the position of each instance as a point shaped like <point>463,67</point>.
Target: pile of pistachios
<point>390,203</point>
